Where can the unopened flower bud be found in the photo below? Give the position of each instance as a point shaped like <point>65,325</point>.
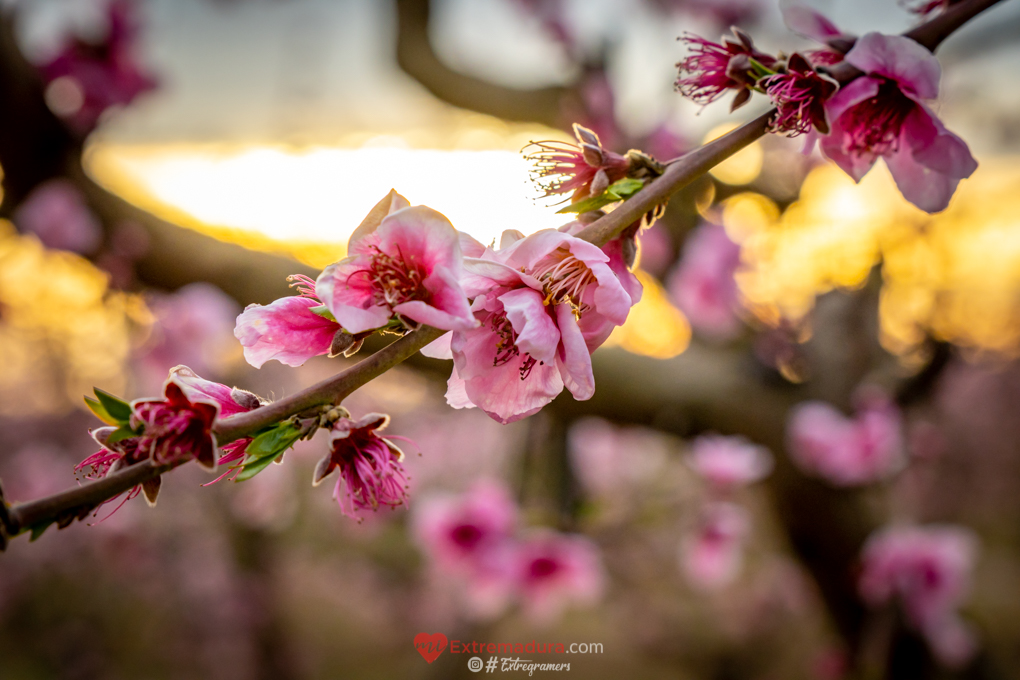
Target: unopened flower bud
<point>342,343</point>
<point>245,399</point>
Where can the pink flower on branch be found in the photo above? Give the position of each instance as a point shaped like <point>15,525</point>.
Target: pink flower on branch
<point>402,270</point>
<point>799,94</point>
<point>543,303</point>
<point>712,69</point>
<point>883,114</point>
<point>371,466</point>
<point>927,570</point>
<point>582,170</point>
<point>286,329</point>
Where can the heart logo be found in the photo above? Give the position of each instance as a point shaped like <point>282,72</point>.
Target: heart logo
<point>430,646</point>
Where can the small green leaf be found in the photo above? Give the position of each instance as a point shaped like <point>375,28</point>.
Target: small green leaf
<point>100,412</point>
<point>38,530</point>
<point>273,442</point>
<point>252,469</point>
<point>118,409</point>
<point>626,187</point>
<point>121,433</point>
<point>617,191</point>
<point>322,311</point>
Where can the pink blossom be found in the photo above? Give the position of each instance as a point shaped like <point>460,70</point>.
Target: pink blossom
<point>729,462</point>
<point>656,249</point>
<point>883,113</point>
<point>713,554</point>
<point>231,401</point>
<point>703,284</point>
<point>91,78</point>
<point>809,23</point>
<point>371,466</point>
<point>724,12</point>
<point>928,571</point>
<point>556,570</point>
<point>470,538</point>
<point>192,327</point>
<point>923,8</point>
<point>799,94</point>
<point>286,329</point>
<point>584,169</point>
<point>712,69</point>
<point>55,211</point>
<point>543,303</point>
<point>608,459</point>
<point>403,267</point>
<point>845,451</point>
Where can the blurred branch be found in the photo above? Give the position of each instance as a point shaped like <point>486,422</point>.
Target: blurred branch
<point>418,59</point>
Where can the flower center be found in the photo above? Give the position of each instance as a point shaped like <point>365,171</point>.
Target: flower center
<point>506,345</point>
<point>564,280</point>
<point>543,567</point>
<point>874,125</point>
<point>394,280</point>
<point>467,536</point>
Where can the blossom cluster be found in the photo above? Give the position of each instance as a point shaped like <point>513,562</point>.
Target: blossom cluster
<point>523,318</point>
<point>474,539</point>
<point>883,113</point>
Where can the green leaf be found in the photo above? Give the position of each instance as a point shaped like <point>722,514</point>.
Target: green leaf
<point>322,311</point>
<point>273,442</point>
<point>100,412</point>
<point>626,187</point>
<point>121,433</point>
<point>617,191</point>
<point>39,529</point>
<point>252,469</point>
<point>118,409</point>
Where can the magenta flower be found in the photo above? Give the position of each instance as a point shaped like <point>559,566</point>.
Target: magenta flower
<point>809,23</point>
<point>703,284</point>
<point>712,69</point>
<point>584,169</point>
<point>712,556</point>
<point>544,303</point>
<point>371,466</point>
<point>231,401</point>
<point>556,570</point>
<point>56,212</point>
<point>923,8</point>
<point>883,114</point>
<point>403,267</point>
<point>86,79</point>
<point>286,329</point>
<point>928,571</point>
<point>799,94</point>
<point>845,451</point>
<point>729,462</point>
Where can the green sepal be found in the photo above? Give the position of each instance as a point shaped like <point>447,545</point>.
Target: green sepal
<point>324,312</point>
<point>617,191</point>
<point>100,412</point>
<point>38,530</point>
<point>117,408</point>
<point>266,447</point>
<point>252,469</point>
<point>121,433</point>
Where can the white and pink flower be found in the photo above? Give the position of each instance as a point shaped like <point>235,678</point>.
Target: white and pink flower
<point>729,463</point>
<point>556,570</point>
<point>712,555</point>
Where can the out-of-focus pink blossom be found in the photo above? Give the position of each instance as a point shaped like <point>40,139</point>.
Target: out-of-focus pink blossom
<point>923,8</point>
<point>845,451</point>
<point>883,114</point>
<point>584,169</point>
<point>86,79</point>
<point>192,327</point>
<point>55,211</point>
<point>470,537</point>
<point>712,69</point>
<point>607,458</point>
<point>403,266</point>
<point>556,570</point>
<point>371,466</point>
<point>809,23</point>
<point>703,284</point>
<point>724,13</point>
<point>656,249</point>
<point>927,569</point>
<point>286,329</point>
<point>729,462</point>
<point>712,555</point>
<point>544,303</point>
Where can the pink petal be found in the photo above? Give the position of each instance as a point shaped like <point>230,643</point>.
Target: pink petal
<point>806,22</point>
<point>941,151</point>
<point>897,57</point>
<point>537,334</point>
<point>456,392</point>
<point>348,295</point>
<point>284,330</point>
<point>421,235</point>
<point>929,190</point>
<point>196,388</point>
<point>389,204</point>
<point>448,309</point>
<point>574,360</point>
<point>439,348</point>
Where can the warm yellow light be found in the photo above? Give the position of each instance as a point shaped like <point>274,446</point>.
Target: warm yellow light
<point>654,328</point>
<point>740,168</point>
